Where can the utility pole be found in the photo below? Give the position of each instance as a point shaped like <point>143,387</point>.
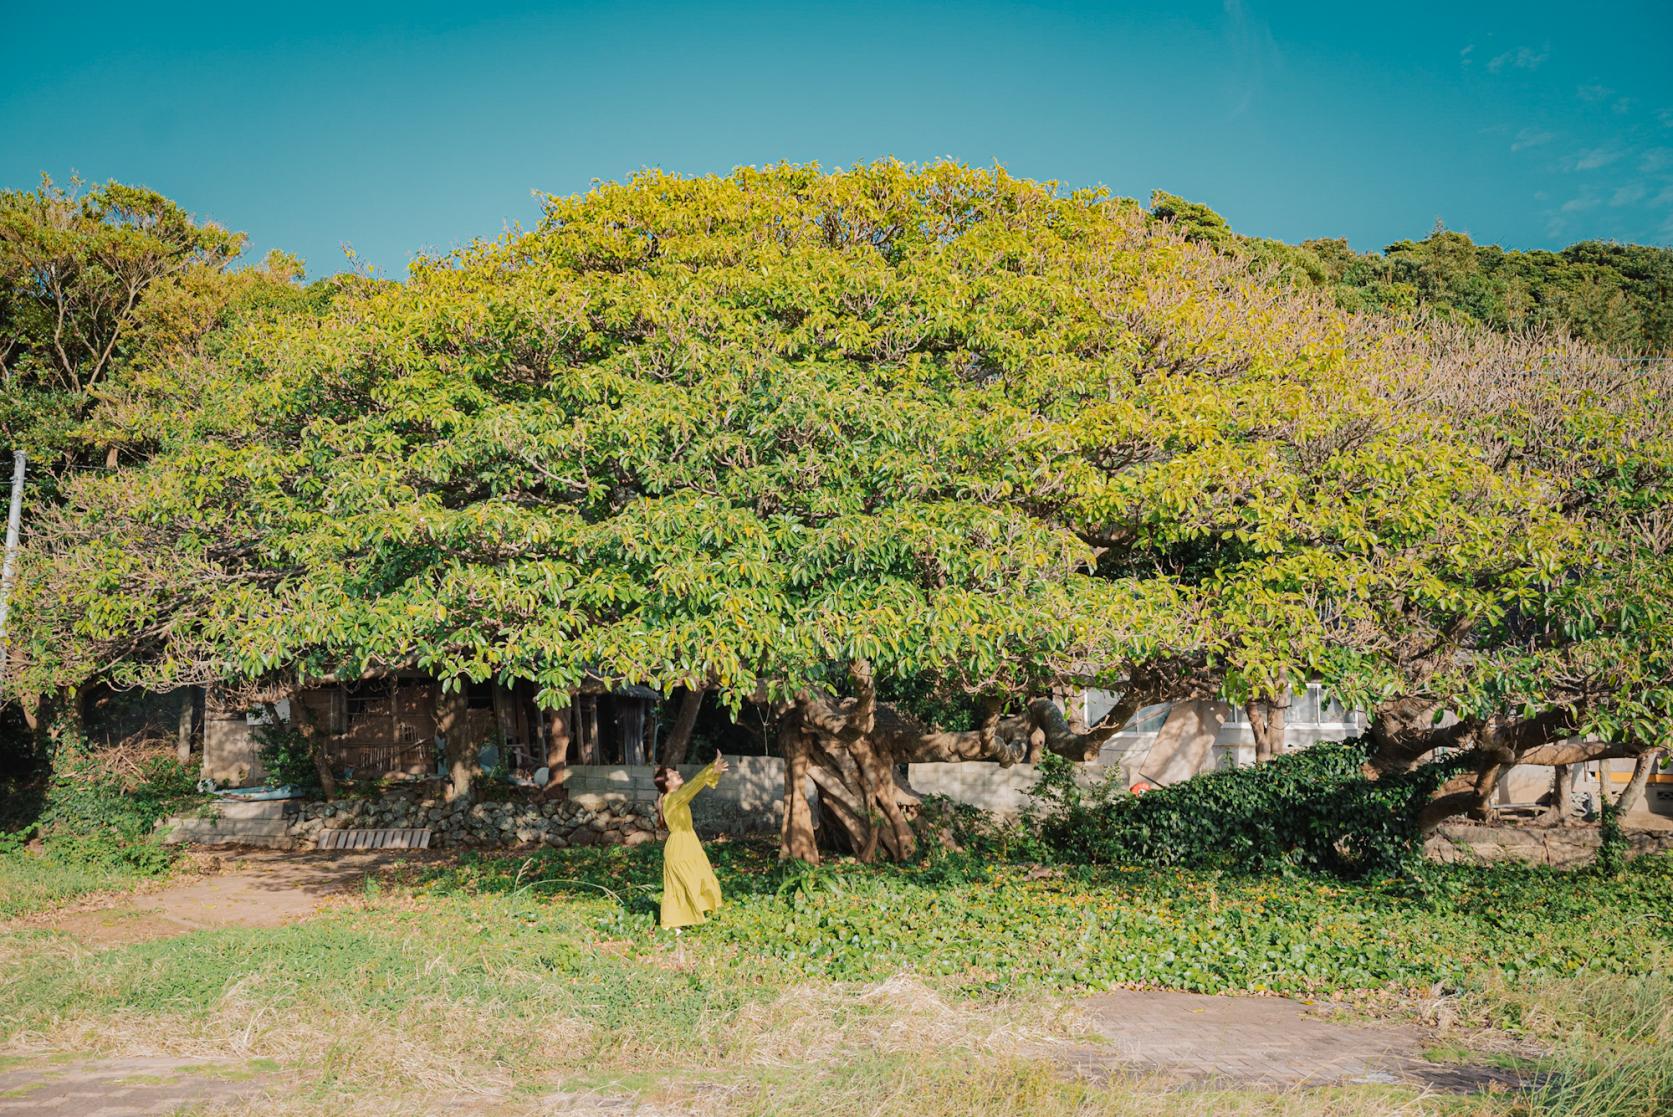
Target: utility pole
<point>8,568</point>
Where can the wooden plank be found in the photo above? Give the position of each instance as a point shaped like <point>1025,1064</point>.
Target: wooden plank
<point>410,837</point>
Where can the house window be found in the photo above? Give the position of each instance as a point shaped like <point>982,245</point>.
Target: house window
<point>479,696</point>
<point>1314,706</point>
<point>1309,705</point>
<point>1150,719</point>
<point>1304,706</point>
<point>368,700</point>
<point>1332,712</point>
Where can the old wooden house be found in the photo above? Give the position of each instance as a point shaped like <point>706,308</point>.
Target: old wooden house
<point>394,724</point>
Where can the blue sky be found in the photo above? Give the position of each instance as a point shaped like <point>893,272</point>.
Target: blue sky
<point>417,126</point>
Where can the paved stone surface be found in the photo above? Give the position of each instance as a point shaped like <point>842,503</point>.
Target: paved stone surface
<point>125,1087</point>
<point>1259,1041</point>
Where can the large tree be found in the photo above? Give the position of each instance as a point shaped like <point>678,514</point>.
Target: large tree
<point>112,297</point>
<point>825,442</point>
<point>77,269</point>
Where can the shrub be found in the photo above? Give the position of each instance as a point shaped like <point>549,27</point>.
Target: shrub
<point>286,757</point>
<point>101,807</point>
<point>1311,810</point>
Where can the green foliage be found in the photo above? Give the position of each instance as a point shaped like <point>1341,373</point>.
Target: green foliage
<point>108,294</point>
<point>86,798</point>
<point>995,926</point>
<point>1310,811</point>
<point>987,436</point>
<point>946,827</point>
<point>1612,849</point>
<point>286,756</point>
<point>1618,296</point>
<point>513,949</point>
<point>992,438</point>
<point>96,827</point>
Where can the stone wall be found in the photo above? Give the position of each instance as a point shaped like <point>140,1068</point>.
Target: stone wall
<point>298,824</point>
<point>980,783</point>
<point>602,805</point>
<point>1561,847</point>
<point>583,821</point>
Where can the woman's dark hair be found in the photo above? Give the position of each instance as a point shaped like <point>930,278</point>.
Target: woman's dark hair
<point>661,781</point>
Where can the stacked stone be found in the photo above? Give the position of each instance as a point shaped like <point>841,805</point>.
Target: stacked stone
<point>583,820</point>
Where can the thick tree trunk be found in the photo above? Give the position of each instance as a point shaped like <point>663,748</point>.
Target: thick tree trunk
<point>796,837</point>
<point>1268,720</point>
<point>679,738</point>
<point>1562,795</point>
<point>1486,783</point>
<point>1633,794</point>
<point>1463,792</point>
<point>1403,732</point>
<point>852,750</point>
<point>305,725</point>
<point>461,765</point>
<point>557,738</point>
<point>322,766</point>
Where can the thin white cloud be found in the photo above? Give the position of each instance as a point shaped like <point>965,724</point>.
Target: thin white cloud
<point>1593,92</point>
<point>1591,158</point>
<point>1254,54</point>
<point>1464,55</point>
<point>1580,203</point>
<point>1522,58</point>
<point>1656,159</point>
<point>1628,194</point>
<point>1531,137</point>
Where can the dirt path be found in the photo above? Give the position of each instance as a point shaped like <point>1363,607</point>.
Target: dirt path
<point>127,1087</point>
<point>259,888</point>
<point>1266,1042</point>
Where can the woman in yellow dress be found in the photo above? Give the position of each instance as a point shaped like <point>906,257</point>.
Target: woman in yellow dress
<point>689,888</point>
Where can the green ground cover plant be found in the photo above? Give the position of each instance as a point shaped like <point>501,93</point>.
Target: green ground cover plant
<point>1312,810</point>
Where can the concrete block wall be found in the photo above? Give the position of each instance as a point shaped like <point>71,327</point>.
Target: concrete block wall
<point>231,823</point>
<point>987,785</point>
<point>231,752</point>
<point>749,799</point>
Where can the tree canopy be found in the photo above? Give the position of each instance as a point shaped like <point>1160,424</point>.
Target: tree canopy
<point>1616,296</point>
<point>106,293</point>
<point>820,440</point>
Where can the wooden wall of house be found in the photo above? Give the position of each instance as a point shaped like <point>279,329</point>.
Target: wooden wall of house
<point>387,726</point>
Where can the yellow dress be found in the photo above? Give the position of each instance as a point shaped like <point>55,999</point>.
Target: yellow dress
<point>689,888</point>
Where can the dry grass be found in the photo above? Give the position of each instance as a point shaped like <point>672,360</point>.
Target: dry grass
<point>892,1048</point>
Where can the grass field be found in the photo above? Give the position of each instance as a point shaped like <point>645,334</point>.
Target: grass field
<point>32,881</point>
<point>930,990</point>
